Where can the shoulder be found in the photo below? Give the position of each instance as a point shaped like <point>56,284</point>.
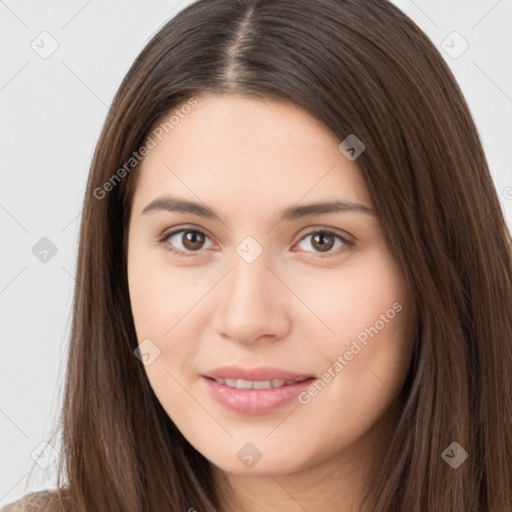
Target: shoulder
<point>40,501</point>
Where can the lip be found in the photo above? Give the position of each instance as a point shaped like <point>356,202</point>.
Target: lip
<point>260,373</point>
<point>254,401</point>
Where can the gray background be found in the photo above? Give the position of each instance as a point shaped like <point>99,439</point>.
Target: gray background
<point>52,110</point>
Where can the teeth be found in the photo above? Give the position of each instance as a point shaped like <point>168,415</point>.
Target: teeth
<point>243,384</point>
<point>262,384</point>
<point>255,384</point>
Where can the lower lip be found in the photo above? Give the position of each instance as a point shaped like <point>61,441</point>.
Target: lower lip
<point>254,401</point>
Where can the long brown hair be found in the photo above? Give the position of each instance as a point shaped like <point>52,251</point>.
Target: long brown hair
<point>361,67</point>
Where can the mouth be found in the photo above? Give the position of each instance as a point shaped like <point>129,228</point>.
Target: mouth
<point>254,391</point>
<point>256,384</point>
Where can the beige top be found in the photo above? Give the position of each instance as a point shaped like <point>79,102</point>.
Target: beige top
<point>32,502</point>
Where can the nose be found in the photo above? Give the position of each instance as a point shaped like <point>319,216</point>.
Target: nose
<point>252,304</point>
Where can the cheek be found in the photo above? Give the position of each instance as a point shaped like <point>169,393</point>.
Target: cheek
<point>360,298</point>
<point>162,301</point>
<point>367,355</point>
<point>165,308</point>
<point>161,296</point>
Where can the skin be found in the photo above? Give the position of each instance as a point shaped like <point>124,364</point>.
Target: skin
<point>292,307</point>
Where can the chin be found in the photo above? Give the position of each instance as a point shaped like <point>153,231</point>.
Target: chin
<point>252,461</point>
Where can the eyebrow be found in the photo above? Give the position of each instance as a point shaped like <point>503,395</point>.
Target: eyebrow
<point>174,204</point>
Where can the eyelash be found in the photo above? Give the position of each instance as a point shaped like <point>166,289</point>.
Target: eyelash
<point>348,245</point>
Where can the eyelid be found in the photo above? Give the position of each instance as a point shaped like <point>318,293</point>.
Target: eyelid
<point>172,231</point>
<point>338,232</point>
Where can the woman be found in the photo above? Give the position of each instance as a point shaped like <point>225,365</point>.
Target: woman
<point>219,360</point>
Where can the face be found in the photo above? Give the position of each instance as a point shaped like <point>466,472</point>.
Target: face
<point>275,335</point>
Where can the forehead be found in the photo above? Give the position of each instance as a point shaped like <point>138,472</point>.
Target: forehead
<point>258,152</point>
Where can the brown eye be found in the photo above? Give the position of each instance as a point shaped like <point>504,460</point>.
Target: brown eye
<point>323,241</point>
<point>192,240</point>
<point>185,240</point>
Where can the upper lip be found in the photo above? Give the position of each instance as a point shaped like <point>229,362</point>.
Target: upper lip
<point>260,373</point>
